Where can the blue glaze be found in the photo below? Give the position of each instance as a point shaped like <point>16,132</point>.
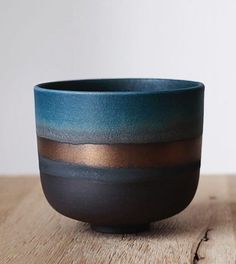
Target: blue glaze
<point>119,110</point>
<point>70,170</point>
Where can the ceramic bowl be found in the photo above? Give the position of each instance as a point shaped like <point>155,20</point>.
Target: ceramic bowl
<point>119,153</point>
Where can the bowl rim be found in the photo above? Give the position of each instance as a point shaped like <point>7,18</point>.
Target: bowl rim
<point>192,85</point>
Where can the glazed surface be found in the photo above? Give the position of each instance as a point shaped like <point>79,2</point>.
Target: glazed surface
<point>119,156</point>
<point>119,117</point>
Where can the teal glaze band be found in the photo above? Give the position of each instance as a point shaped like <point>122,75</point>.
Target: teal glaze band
<point>156,111</point>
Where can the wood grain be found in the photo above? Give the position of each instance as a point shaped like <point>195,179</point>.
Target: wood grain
<point>32,232</point>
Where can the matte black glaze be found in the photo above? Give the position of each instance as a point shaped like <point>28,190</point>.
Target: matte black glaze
<point>113,203</point>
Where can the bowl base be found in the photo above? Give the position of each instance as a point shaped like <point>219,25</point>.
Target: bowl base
<point>123,229</point>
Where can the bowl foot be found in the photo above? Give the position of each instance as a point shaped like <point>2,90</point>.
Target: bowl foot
<point>123,229</point>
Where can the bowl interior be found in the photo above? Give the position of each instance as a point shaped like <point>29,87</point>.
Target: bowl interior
<point>121,85</point>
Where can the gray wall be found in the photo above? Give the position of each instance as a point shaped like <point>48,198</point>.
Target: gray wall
<point>50,40</point>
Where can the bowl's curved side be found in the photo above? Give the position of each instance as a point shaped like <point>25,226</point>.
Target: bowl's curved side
<point>126,197</point>
<point>119,159</point>
<point>136,118</point>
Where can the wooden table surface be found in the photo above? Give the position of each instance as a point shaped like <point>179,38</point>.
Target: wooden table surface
<point>32,232</point>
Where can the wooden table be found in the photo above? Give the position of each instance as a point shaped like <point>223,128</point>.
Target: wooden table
<point>32,232</point>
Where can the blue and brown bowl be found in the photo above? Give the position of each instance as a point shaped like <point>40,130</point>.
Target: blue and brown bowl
<point>119,153</point>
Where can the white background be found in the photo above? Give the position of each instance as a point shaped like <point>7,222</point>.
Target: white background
<point>55,40</point>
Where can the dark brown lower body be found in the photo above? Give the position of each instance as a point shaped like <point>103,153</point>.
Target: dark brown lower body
<point>122,204</point>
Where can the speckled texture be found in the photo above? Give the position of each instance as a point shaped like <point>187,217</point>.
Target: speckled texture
<point>120,117</point>
<point>119,154</point>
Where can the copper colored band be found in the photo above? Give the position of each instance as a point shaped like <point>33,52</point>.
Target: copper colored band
<point>123,155</point>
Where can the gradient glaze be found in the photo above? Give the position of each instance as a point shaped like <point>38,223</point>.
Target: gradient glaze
<point>124,117</point>
<point>119,153</point>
